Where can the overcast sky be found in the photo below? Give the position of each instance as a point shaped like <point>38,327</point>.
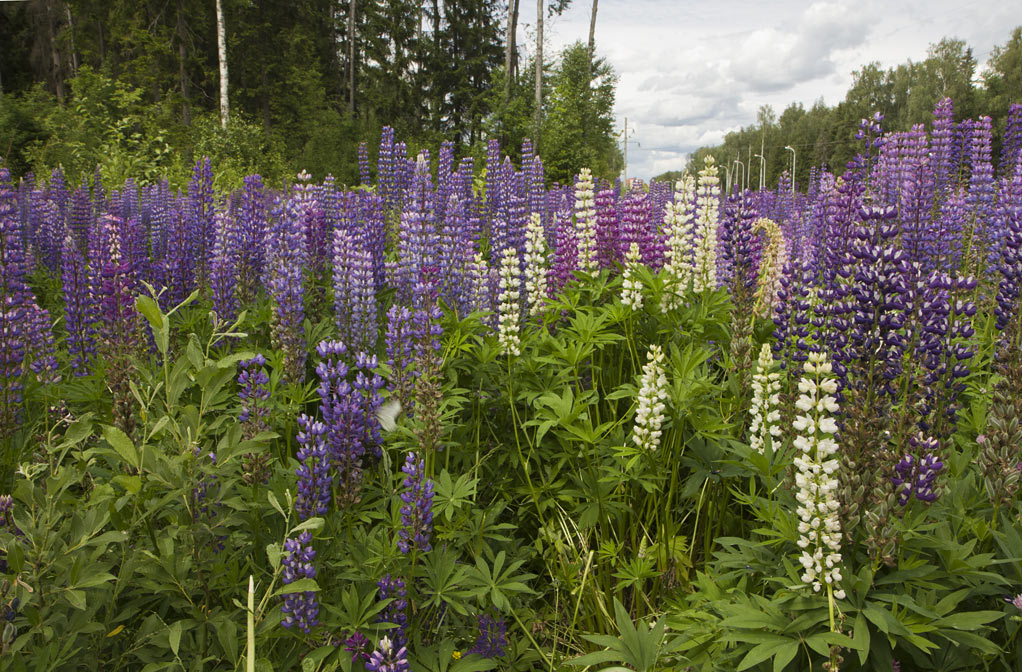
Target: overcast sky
<point>690,71</point>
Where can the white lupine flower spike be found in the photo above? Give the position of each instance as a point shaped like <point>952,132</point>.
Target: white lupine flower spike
<point>510,308</point>
<point>819,527</point>
<point>704,261</point>
<point>585,221</point>
<point>649,416</point>
<point>766,391</point>
<point>536,263</point>
<point>631,286</point>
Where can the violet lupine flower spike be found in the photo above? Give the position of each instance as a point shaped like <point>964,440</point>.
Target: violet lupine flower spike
<point>314,478</point>
<point>491,642</point>
<point>301,609</point>
<point>417,512</point>
<point>254,396</point>
<point>915,473</point>
<point>396,610</point>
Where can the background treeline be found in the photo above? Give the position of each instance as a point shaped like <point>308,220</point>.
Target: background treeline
<point>133,86</point>
<point>905,95</point>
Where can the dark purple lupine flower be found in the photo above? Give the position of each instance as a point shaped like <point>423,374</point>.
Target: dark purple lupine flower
<point>417,245</point>
<point>372,233</point>
<point>354,292</point>
<point>492,179</point>
<point>492,639</point>
<point>41,349</point>
<point>301,609</point>
<point>417,512</point>
<point>637,227</point>
<point>607,234</point>
<point>396,611</point>
<point>915,202</point>
<point>385,168</point>
<point>389,657</point>
<point>1011,147</point>
<point>914,476</point>
<point>980,198</point>
<point>314,479</point>
<point>1008,310</point>
<point>80,216</point>
<point>944,349</point>
<point>367,384</point>
<point>342,414</point>
<point>79,307</point>
<point>358,646</point>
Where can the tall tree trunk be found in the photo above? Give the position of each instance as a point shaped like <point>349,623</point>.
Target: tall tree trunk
<point>592,43</point>
<point>221,52</point>
<point>509,49</point>
<point>182,56</point>
<point>55,67</point>
<point>539,73</point>
<point>351,58</point>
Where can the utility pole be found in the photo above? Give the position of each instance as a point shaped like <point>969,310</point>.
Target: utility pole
<point>625,135</point>
<point>792,150</point>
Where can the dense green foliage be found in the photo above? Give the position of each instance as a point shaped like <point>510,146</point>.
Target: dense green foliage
<point>133,87</point>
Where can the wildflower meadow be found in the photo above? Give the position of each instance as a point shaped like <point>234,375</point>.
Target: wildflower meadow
<point>458,418</point>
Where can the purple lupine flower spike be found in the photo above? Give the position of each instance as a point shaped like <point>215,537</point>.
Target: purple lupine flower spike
<point>491,641</point>
<point>417,512</point>
<point>301,609</point>
<point>314,477</point>
<point>396,610</point>
<point>388,657</point>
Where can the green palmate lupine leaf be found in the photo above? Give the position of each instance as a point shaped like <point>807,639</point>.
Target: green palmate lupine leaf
<point>299,586</point>
<point>763,652</point>
<point>860,638</point>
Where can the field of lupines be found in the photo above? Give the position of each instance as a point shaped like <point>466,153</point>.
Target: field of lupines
<point>455,420</point>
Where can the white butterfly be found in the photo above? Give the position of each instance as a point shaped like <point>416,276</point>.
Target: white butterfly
<point>387,414</point>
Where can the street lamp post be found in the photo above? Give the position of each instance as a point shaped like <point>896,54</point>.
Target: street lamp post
<point>792,150</point>
<point>739,180</point>
<point>727,177</point>
<point>762,170</point>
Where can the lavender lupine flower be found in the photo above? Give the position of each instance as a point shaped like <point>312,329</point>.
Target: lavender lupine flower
<point>388,657</point>
<point>7,512</point>
<point>585,221</point>
<point>301,609</point>
<point>491,642</point>
<point>636,227</point>
<point>363,165</point>
<point>399,354</point>
<point>41,348</point>
<point>819,527</point>
<point>565,255</point>
<point>942,139</point>
<point>536,263</point>
<point>417,245</point>
<point>354,292</point>
<point>396,611</point>
<point>509,308</point>
<point>79,307</point>
<point>1015,601</point>
<point>914,475</point>
<point>285,247</point>
<point>343,414</point>
<point>980,199</point>
<point>367,385</point>
<point>14,299</point>
<point>707,214</point>
<point>607,234</point>
<point>417,511</point>
<point>426,333</point>
<point>631,286</point>
<point>223,266</point>
<point>649,416</point>
<point>314,478</point>
<point>678,218</point>
<point>766,389</point>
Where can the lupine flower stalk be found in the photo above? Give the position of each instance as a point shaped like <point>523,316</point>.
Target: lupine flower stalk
<point>491,642</point>
<point>393,588</point>
<point>314,478</point>
<point>819,527</point>
<point>388,657</point>
<point>766,415</point>
<point>254,395</point>
<point>704,261</point>
<point>678,220</point>
<point>509,309</point>
<point>302,608</point>
<point>631,286</point>
<point>354,292</point>
<point>417,510</point>
<point>772,262</point>
<point>536,263</point>
<point>916,473</point>
<point>651,400</point>
<point>585,221</point>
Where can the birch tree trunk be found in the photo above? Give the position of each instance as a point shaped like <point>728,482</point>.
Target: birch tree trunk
<point>592,43</point>
<point>221,48</point>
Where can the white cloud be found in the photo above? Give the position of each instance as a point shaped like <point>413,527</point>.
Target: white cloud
<point>691,72</point>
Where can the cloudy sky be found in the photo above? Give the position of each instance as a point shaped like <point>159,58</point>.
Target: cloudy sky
<point>692,70</point>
